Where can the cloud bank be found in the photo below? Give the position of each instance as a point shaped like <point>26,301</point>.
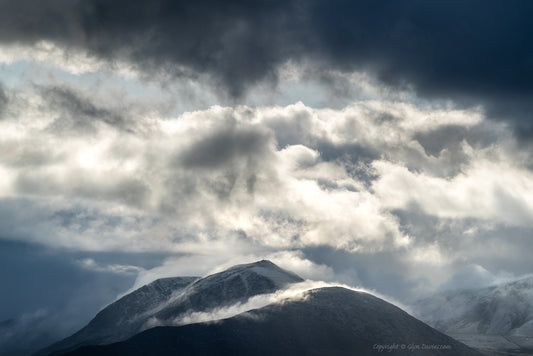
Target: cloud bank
<point>373,177</point>
<point>471,53</point>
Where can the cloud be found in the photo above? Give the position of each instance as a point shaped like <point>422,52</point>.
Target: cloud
<point>76,113</point>
<point>3,100</point>
<point>215,260</point>
<point>239,45</point>
<point>71,61</point>
<point>90,264</point>
<point>248,172</point>
<point>123,129</point>
<point>486,190</point>
<point>375,180</point>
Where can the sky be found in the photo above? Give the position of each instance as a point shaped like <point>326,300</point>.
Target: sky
<point>380,144</point>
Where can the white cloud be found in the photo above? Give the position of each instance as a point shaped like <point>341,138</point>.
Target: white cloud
<point>496,191</point>
<point>274,196</point>
<point>229,185</point>
<point>90,264</point>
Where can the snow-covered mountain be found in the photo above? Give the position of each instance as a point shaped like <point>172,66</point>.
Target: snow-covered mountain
<point>497,318</point>
<point>505,309</point>
<point>324,321</point>
<point>167,299</point>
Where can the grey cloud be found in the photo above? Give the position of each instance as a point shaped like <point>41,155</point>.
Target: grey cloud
<point>128,190</point>
<point>477,57</point>
<point>78,113</point>
<point>450,137</point>
<point>293,130</point>
<point>213,37</point>
<point>77,225</point>
<point>227,145</point>
<point>444,137</point>
<point>230,163</point>
<point>384,272</point>
<point>497,248</point>
<point>16,155</point>
<point>3,100</point>
<point>298,129</point>
<point>473,259</point>
<point>442,154</point>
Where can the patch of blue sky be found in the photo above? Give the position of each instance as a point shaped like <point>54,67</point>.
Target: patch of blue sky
<point>19,74</point>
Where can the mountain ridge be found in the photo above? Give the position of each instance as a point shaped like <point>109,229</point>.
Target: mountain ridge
<point>323,321</point>
<point>503,309</point>
<point>166,299</point>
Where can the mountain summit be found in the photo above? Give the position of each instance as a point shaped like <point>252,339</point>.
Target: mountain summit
<point>165,300</point>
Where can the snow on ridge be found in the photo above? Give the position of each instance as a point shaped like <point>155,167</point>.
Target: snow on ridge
<point>504,309</point>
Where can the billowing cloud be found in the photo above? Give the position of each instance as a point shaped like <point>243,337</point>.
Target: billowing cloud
<point>220,169</point>
<point>496,192</point>
<point>247,182</point>
<point>249,171</point>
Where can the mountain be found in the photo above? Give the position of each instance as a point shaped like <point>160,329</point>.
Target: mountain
<point>165,300</point>
<point>505,309</point>
<point>496,317</point>
<point>324,321</point>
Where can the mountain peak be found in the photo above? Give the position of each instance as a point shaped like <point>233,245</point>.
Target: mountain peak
<point>165,300</point>
<point>256,278</point>
<point>261,263</point>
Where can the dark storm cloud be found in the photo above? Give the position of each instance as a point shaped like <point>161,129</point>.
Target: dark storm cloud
<point>236,42</point>
<point>472,52</point>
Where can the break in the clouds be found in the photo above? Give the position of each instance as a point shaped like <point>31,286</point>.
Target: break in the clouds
<point>473,53</point>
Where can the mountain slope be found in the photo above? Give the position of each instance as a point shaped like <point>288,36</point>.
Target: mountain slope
<point>165,300</point>
<point>497,319</point>
<point>324,321</point>
<point>505,309</point>
<point>124,317</point>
